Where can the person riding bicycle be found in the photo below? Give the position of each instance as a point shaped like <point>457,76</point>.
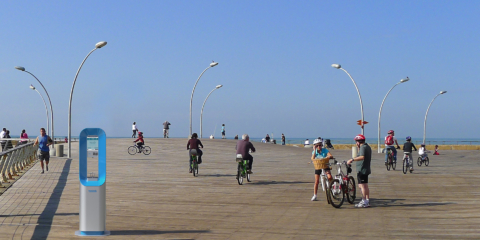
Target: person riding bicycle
<point>192,144</point>
<point>243,147</point>
<point>407,147</point>
<point>422,151</point>
<point>140,141</point>
<point>363,160</point>
<point>320,153</point>
<point>390,140</point>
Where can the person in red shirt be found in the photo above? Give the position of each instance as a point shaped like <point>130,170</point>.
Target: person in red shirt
<point>194,143</point>
<point>140,141</point>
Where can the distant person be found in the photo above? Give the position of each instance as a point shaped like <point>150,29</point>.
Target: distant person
<point>134,129</point>
<point>307,143</point>
<point>390,140</point>
<point>9,142</point>
<point>436,150</point>
<point>283,139</point>
<point>66,140</point>
<point>194,143</point>
<point>243,147</point>
<point>140,142</point>
<point>236,137</point>
<point>363,160</point>
<point>223,131</point>
<point>408,147</point>
<point>166,129</point>
<point>43,141</point>
<point>2,135</point>
<point>267,138</point>
<point>320,153</point>
<point>212,137</point>
<point>23,135</point>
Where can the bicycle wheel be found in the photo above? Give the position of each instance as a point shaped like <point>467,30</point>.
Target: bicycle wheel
<point>147,150</point>
<point>351,190</point>
<point>394,164</point>
<point>132,150</point>
<point>427,161</point>
<point>405,166</point>
<point>336,193</point>
<point>248,177</point>
<point>419,161</point>
<point>239,176</point>
<point>196,168</point>
<point>389,163</point>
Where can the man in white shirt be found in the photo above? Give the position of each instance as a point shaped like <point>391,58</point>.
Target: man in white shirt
<point>134,129</point>
<point>3,134</point>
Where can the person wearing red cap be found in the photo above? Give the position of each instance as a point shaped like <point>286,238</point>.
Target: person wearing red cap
<point>362,160</point>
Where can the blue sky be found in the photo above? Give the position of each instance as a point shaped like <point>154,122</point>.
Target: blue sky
<point>274,62</point>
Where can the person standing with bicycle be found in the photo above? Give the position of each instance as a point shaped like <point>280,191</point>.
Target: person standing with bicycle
<point>320,153</point>
<point>194,143</point>
<point>407,147</point>
<point>390,140</point>
<point>363,160</point>
<point>243,147</point>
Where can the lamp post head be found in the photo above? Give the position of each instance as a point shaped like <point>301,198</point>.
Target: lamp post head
<point>213,64</point>
<point>32,87</point>
<point>219,86</point>
<point>337,66</point>
<point>20,68</point>
<point>442,92</point>
<point>100,44</point>
<point>404,80</point>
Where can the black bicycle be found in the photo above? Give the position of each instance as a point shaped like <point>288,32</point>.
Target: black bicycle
<point>132,150</point>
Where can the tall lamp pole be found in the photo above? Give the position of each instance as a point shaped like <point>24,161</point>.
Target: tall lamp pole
<point>201,113</point>
<point>381,106</point>
<point>97,46</point>
<point>213,64</point>
<point>425,122</point>
<point>338,66</point>
<point>51,107</point>
<point>46,109</point>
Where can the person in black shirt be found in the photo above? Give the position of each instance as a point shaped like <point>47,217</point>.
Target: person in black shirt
<point>407,148</point>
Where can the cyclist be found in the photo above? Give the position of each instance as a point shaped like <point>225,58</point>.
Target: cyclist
<point>390,140</point>
<point>243,147</point>
<point>140,141</point>
<point>320,153</point>
<point>407,147</point>
<point>194,143</point>
<point>363,169</point>
<point>422,151</point>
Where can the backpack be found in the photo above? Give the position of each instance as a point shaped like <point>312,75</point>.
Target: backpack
<point>389,140</point>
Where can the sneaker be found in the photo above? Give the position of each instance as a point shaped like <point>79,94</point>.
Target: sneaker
<point>363,204</point>
<point>190,171</point>
<point>47,168</point>
<point>386,163</point>
<point>249,171</point>
<point>314,198</point>
<point>43,172</point>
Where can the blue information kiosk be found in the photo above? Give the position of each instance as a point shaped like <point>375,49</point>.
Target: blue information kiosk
<point>93,144</point>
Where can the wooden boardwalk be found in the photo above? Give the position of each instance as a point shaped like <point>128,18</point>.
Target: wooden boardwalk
<point>154,197</point>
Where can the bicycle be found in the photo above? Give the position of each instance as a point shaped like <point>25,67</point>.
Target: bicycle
<point>343,185</point>
<point>390,162</point>
<point>423,159</point>
<point>322,164</point>
<point>242,171</point>
<point>132,150</point>
<point>407,163</point>
<point>194,166</point>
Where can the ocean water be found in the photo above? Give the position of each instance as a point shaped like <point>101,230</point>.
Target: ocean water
<point>429,141</point>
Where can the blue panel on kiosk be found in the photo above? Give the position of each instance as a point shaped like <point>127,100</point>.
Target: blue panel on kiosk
<point>102,156</point>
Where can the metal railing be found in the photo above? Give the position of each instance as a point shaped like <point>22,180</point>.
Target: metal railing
<point>15,160</point>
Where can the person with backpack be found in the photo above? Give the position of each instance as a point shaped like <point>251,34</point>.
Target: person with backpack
<point>390,140</point>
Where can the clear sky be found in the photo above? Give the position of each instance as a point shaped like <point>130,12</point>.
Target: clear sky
<point>274,62</point>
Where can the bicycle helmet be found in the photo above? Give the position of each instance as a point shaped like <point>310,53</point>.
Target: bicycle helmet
<point>140,133</point>
<point>409,138</point>
<point>391,131</point>
<point>317,141</point>
<point>359,137</point>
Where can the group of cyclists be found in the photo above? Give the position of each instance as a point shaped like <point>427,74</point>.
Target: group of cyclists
<point>408,146</point>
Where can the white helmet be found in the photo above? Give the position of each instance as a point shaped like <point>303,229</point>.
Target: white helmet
<point>317,141</point>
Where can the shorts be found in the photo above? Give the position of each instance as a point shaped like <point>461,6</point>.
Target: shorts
<point>44,156</point>
<point>362,178</point>
<point>319,172</point>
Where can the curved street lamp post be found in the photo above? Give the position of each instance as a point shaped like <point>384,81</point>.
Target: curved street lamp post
<point>213,64</point>
<point>46,109</point>
<point>201,113</point>
<point>97,46</point>
<point>425,122</point>
<point>338,66</point>
<point>381,106</point>
<point>51,107</point>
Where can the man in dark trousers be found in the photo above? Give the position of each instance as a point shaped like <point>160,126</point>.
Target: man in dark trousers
<point>407,148</point>
<point>243,146</point>
<point>166,127</point>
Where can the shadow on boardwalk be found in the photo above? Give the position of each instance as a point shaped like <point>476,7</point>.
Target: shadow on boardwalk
<point>397,203</point>
<point>154,232</point>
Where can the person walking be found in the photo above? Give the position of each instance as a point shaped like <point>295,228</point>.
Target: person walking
<point>9,142</point>
<point>283,139</point>
<point>166,128</point>
<point>2,135</point>
<point>223,131</point>
<point>43,141</point>
<point>134,129</point>
<point>363,160</point>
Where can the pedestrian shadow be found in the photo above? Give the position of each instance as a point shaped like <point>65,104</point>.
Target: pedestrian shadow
<point>25,215</point>
<point>153,232</point>
<point>218,175</point>
<point>397,202</point>
<point>277,182</point>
